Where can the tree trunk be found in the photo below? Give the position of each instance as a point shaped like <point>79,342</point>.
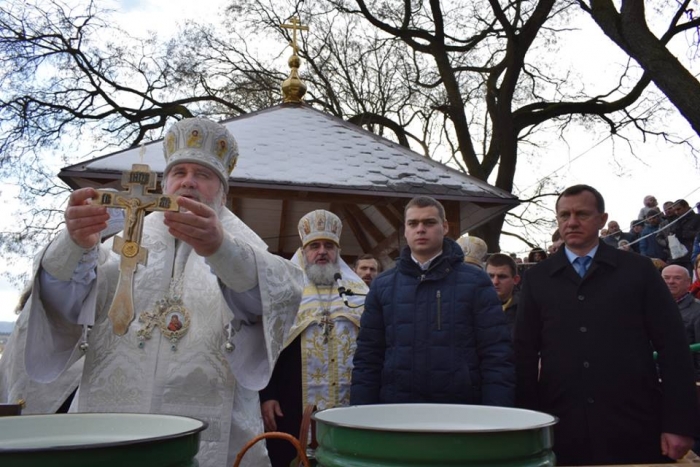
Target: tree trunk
<point>629,30</point>
<point>490,232</point>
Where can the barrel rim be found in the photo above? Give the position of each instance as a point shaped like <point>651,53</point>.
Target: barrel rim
<point>318,417</point>
<point>203,425</point>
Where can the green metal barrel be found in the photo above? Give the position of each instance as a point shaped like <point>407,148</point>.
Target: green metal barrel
<point>433,435</point>
<point>99,439</point>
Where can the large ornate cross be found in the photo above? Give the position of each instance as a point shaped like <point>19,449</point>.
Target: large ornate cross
<point>137,200</point>
<point>295,26</point>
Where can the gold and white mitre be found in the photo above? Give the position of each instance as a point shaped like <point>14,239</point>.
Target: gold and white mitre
<point>204,142</point>
<point>320,225</point>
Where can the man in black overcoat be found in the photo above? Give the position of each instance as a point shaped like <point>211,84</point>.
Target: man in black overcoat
<point>593,328</point>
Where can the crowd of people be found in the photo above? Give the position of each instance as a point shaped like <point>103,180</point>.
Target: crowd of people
<point>229,333</point>
<point>667,236</point>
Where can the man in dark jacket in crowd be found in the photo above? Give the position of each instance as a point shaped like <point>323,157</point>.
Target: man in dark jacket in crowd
<point>636,228</point>
<point>654,243</point>
<point>503,272</point>
<point>678,281</point>
<point>685,229</point>
<point>615,235</point>
<point>587,320</point>
<point>669,214</point>
<point>433,329</point>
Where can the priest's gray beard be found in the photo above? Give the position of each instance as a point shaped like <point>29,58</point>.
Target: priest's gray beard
<point>322,274</point>
<point>216,203</point>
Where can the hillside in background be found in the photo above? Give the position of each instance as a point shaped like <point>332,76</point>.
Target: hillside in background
<point>6,327</point>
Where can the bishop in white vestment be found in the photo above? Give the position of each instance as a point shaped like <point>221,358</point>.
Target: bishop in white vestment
<point>212,307</point>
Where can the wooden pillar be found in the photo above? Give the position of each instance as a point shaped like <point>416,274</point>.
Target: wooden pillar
<point>453,220</point>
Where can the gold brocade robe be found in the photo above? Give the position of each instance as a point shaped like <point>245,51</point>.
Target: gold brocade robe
<point>328,330</point>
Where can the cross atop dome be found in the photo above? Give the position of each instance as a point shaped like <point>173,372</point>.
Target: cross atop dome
<point>293,88</point>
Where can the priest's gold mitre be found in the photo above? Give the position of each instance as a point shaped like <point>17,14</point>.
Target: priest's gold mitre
<point>320,225</point>
<point>204,142</point>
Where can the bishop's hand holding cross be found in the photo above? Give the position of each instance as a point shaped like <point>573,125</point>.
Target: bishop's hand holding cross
<point>86,217</point>
<point>198,224</point>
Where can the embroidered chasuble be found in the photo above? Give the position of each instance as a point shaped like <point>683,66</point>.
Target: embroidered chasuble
<point>328,329</point>
<point>211,372</point>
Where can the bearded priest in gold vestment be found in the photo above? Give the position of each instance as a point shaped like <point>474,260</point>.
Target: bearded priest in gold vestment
<point>316,364</point>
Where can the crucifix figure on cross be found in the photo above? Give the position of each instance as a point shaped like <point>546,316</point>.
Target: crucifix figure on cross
<point>136,201</point>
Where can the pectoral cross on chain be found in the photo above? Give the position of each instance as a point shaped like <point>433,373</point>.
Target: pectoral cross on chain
<point>138,200</point>
<point>327,325</point>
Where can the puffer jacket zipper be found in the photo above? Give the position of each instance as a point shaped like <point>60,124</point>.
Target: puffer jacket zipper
<point>438,296</point>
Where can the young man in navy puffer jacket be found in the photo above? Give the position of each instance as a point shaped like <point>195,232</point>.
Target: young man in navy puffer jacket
<point>433,329</point>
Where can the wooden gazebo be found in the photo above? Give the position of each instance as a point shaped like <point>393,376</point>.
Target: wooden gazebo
<point>294,159</point>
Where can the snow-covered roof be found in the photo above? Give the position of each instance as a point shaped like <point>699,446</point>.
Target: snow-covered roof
<point>299,146</point>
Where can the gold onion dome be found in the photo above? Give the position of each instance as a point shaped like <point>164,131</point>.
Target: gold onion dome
<point>293,88</point>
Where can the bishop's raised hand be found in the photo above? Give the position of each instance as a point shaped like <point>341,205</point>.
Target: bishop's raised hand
<point>85,221</point>
<point>198,225</point>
